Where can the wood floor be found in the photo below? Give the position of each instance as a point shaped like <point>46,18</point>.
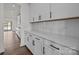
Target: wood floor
<point>12,45</point>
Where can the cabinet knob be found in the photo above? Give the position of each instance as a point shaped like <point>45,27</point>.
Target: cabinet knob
<point>43,50</point>
<point>50,14</point>
<point>39,18</point>
<point>33,42</point>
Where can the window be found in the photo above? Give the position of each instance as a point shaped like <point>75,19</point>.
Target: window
<point>8,25</point>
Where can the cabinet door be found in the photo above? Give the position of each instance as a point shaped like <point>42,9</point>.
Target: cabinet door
<point>31,42</point>
<point>26,38</point>
<point>40,11</point>
<point>38,48</point>
<point>64,10</point>
<point>34,9</point>
<point>44,11</point>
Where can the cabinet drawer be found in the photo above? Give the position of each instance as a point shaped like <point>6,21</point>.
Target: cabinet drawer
<point>47,50</point>
<point>50,48</point>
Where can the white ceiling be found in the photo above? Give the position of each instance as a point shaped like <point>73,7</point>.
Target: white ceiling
<point>11,9</point>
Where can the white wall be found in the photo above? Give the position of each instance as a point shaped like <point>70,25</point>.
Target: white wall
<point>1,29</point>
<point>24,21</point>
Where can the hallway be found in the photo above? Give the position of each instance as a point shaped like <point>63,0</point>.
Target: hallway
<point>12,45</point>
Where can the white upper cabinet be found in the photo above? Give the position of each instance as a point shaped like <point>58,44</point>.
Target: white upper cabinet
<point>64,10</point>
<point>44,11</point>
<point>33,12</point>
<point>39,11</point>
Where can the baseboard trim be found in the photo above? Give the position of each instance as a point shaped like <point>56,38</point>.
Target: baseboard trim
<point>28,49</point>
<point>18,36</point>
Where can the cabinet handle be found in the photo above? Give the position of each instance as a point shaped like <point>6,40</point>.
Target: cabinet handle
<point>50,14</point>
<point>33,42</point>
<point>43,50</point>
<point>37,38</point>
<point>33,18</point>
<point>39,17</point>
<point>54,47</point>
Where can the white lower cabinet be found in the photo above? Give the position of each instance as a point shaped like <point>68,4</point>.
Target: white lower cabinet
<point>29,42</point>
<point>42,46</point>
<point>35,44</point>
<point>18,32</point>
<point>26,37</point>
<point>38,46</point>
<point>52,48</point>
